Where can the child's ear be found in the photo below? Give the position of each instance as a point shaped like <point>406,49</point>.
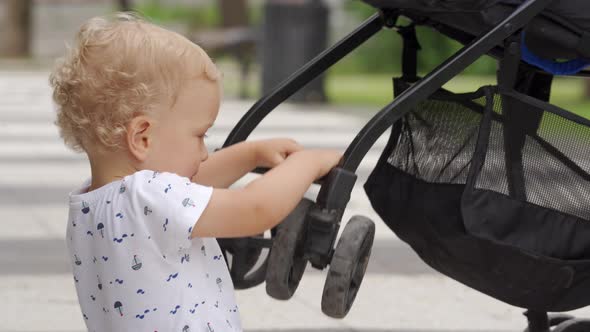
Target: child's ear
<point>139,140</point>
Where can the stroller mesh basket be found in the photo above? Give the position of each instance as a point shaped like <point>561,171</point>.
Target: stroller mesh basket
<point>492,188</point>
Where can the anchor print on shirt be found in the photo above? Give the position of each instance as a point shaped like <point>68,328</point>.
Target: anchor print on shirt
<point>210,328</point>
<point>186,329</point>
<point>146,210</point>
<point>77,260</point>
<point>122,188</point>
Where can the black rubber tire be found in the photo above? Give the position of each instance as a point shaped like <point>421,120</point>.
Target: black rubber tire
<point>573,325</point>
<point>556,319</point>
<point>244,257</point>
<point>285,260</point>
<point>241,267</point>
<point>348,266</point>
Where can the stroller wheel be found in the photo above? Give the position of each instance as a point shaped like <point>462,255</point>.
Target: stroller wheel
<point>348,266</point>
<point>245,255</point>
<point>555,319</point>
<point>285,262</point>
<point>244,258</point>
<point>573,325</point>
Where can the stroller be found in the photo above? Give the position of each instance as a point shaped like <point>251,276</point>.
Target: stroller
<point>490,188</point>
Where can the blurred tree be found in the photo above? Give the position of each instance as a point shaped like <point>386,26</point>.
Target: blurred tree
<point>125,5</point>
<point>15,28</point>
<point>382,52</point>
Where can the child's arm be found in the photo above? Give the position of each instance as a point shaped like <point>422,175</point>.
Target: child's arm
<point>266,201</point>
<point>228,165</point>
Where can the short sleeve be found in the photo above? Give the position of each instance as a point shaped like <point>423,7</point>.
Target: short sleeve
<point>170,206</point>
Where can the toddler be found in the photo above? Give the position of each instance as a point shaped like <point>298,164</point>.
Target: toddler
<point>138,101</point>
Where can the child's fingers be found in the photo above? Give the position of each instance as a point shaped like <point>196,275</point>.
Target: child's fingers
<point>292,146</point>
<point>277,158</point>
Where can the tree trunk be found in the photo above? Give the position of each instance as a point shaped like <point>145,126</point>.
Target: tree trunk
<point>125,5</point>
<point>15,28</point>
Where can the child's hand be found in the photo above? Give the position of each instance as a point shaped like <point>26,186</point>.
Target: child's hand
<point>331,159</point>
<point>267,200</point>
<point>324,158</point>
<point>270,153</point>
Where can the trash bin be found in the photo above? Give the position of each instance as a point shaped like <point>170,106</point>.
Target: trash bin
<point>293,32</point>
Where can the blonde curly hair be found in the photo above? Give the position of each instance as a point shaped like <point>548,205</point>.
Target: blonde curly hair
<point>120,67</point>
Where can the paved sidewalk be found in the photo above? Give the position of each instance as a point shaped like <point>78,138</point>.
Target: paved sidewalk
<point>399,293</point>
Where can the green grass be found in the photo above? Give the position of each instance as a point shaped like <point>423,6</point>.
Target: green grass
<point>376,90</point>
<point>372,92</point>
<point>193,16</point>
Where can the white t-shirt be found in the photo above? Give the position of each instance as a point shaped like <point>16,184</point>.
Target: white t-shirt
<point>135,266</point>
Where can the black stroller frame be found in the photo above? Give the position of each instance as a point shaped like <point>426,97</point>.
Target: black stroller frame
<point>313,241</point>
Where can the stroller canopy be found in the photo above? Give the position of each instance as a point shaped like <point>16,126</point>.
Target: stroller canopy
<point>563,31</point>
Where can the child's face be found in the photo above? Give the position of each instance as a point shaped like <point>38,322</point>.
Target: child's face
<point>179,136</point>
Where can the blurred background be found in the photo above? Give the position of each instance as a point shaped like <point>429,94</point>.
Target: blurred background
<point>256,44</point>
